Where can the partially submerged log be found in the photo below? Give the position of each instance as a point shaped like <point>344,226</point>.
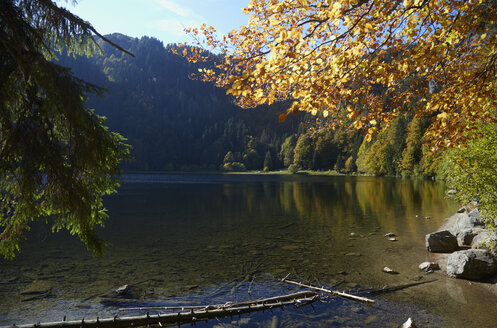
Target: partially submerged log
<point>299,297</point>
<point>184,314</point>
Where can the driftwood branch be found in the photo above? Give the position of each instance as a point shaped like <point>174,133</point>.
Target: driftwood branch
<point>332,292</point>
<point>184,314</point>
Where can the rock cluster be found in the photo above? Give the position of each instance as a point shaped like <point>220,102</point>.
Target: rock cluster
<point>466,239</point>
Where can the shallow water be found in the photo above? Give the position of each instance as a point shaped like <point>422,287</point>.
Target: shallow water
<point>204,239</point>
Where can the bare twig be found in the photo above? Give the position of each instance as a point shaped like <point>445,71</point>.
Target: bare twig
<point>332,292</point>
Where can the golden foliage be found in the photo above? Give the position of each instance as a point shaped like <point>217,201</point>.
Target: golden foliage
<point>362,61</point>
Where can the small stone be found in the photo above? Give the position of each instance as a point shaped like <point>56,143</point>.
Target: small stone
<point>125,291</point>
<point>408,324</point>
<point>429,266</point>
<point>388,270</point>
<point>390,234</point>
<point>427,217</point>
<point>122,290</point>
<point>353,234</point>
<point>392,239</point>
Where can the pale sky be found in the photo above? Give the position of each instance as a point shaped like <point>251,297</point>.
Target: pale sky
<point>162,19</point>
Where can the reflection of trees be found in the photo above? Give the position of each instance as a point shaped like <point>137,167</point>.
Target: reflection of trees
<point>337,203</point>
<point>342,202</point>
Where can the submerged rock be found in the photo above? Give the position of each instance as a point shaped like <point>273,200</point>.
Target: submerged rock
<point>472,264</point>
<point>125,292</point>
<point>390,234</point>
<point>429,266</point>
<point>441,242</point>
<point>37,290</point>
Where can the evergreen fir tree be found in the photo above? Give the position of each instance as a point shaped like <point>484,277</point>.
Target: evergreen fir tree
<point>57,158</point>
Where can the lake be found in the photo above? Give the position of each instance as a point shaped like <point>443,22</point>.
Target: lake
<point>187,239</point>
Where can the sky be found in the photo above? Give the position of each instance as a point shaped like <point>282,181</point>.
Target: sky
<point>162,19</point>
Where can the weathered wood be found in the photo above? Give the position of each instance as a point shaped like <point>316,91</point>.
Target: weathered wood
<point>192,314</point>
<point>282,298</point>
<point>332,292</point>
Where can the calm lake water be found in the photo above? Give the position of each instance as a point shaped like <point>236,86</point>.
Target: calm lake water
<point>209,239</point>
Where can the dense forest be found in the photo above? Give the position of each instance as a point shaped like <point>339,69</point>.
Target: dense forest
<point>176,123</point>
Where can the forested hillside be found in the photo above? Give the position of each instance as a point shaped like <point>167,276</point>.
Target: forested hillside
<point>173,122</point>
<point>176,123</point>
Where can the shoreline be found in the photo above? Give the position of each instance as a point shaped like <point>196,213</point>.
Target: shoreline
<point>489,283</point>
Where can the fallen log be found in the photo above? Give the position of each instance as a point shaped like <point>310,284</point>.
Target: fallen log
<point>304,295</point>
<point>332,292</point>
<point>184,314</point>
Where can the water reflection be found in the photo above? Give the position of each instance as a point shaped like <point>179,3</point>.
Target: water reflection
<point>202,237</point>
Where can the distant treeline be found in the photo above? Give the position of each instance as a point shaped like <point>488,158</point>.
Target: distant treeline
<point>176,123</point>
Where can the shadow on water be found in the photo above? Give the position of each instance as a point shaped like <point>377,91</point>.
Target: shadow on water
<point>203,239</point>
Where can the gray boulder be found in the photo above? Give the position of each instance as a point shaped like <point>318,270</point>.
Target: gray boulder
<point>472,264</point>
<point>466,221</point>
<point>465,237</point>
<point>484,239</point>
<point>441,242</point>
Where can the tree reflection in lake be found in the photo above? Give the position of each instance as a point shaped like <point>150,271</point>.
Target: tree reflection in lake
<point>207,238</point>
